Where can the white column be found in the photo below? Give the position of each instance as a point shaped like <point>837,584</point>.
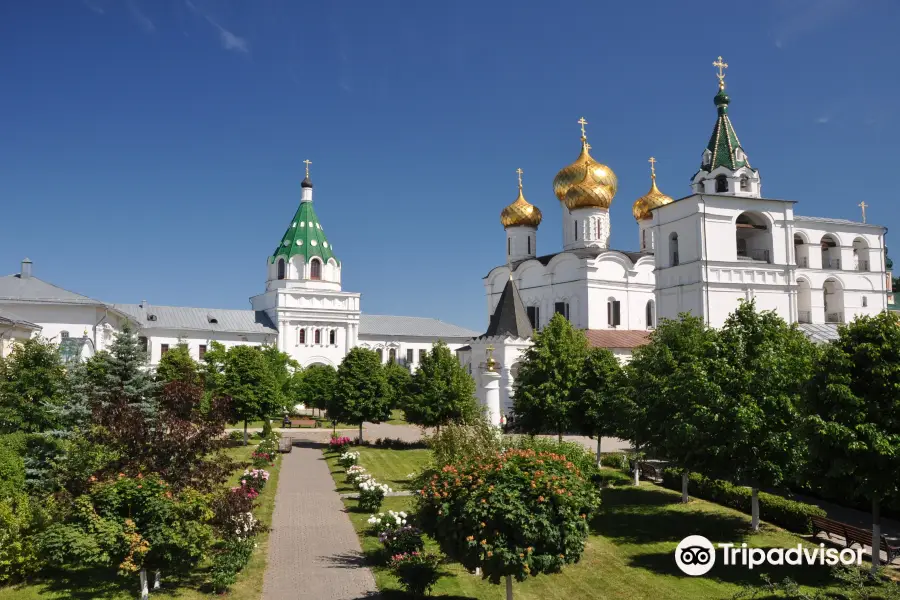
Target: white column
<point>348,336</point>
<point>491,382</point>
<point>282,335</point>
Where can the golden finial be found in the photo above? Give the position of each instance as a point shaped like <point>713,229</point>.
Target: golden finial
<point>863,206</point>
<point>722,65</point>
<point>490,363</point>
<point>582,121</point>
<point>652,162</point>
<point>307,162</point>
<point>519,171</point>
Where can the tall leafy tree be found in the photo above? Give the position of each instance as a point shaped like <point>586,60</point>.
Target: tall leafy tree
<point>316,386</point>
<point>599,396</point>
<point>440,391</point>
<point>672,395</point>
<point>282,367</point>
<point>398,379</point>
<point>177,365</point>
<point>212,368</point>
<point>361,392</point>
<point>549,373</point>
<point>32,387</point>
<point>852,412</point>
<point>768,362</point>
<point>249,381</point>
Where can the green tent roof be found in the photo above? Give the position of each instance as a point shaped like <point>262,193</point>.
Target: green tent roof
<point>724,140</point>
<point>304,236</point>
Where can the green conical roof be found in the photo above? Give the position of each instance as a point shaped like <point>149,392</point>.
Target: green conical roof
<point>724,141</point>
<point>304,236</point>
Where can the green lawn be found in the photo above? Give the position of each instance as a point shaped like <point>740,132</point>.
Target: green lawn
<point>387,466</point>
<point>89,586</point>
<point>397,418</point>
<point>630,555</point>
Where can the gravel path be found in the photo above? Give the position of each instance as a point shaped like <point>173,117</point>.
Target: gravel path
<point>313,549</point>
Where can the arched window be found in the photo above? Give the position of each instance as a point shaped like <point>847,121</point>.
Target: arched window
<point>332,336</point>
<point>301,336</point>
<point>753,240</point>
<point>650,316</point>
<point>380,354</point>
<point>721,184</point>
<point>613,312</point>
<point>318,336</point>
<point>673,249</point>
<point>529,244</point>
<point>392,355</point>
<point>865,301</point>
<point>315,269</point>
<point>745,183</point>
<point>64,335</point>
<point>280,268</point>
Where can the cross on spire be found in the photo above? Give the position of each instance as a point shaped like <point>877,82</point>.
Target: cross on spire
<point>863,206</point>
<point>652,162</point>
<point>722,65</point>
<point>519,171</point>
<point>582,121</point>
<point>307,162</point>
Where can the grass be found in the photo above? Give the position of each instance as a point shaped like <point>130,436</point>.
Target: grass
<point>629,555</point>
<point>387,466</point>
<point>86,586</point>
<point>397,418</point>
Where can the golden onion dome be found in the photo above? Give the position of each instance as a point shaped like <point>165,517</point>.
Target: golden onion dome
<point>586,182</point>
<point>521,212</point>
<point>652,199</point>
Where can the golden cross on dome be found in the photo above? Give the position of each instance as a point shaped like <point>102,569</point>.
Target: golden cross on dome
<point>722,65</point>
<point>582,122</point>
<point>863,206</point>
<point>307,162</point>
<point>652,162</point>
<point>519,171</point>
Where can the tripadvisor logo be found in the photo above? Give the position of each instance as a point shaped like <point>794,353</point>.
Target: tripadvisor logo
<point>695,555</point>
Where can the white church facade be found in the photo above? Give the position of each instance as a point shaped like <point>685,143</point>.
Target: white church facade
<point>700,254</point>
<point>303,311</point>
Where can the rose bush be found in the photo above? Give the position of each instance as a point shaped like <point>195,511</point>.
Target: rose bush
<point>402,540</point>
<point>371,494</point>
<point>255,479</point>
<point>348,459</point>
<point>338,444</point>
<point>417,571</point>
<point>383,522</point>
<point>356,474</point>
<point>518,513</point>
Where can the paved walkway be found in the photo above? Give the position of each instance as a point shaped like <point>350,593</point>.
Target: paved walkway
<point>313,549</point>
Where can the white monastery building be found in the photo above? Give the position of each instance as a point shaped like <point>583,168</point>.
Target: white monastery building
<point>700,254</point>
<point>303,310</point>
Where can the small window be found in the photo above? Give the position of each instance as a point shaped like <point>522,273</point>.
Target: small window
<point>315,269</point>
<point>144,343</point>
<point>534,313</point>
<point>151,317</point>
<point>509,246</point>
<point>409,355</point>
<point>202,352</point>
<point>421,354</point>
<point>332,337</point>
<point>529,244</point>
<point>865,301</point>
<point>673,249</point>
<point>576,229</point>
<point>650,314</point>
<point>380,354</point>
<point>280,268</point>
<point>212,320</point>
<point>64,335</point>
<point>301,338</point>
<point>163,348</point>
<point>613,313</point>
<point>599,226</point>
<point>562,308</point>
<point>317,337</point>
<point>721,184</point>
<point>392,355</point>
<point>644,238</point>
<point>745,183</point>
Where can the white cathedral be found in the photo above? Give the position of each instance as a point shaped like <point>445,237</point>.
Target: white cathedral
<point>303,311</point>
<point>700,254</point>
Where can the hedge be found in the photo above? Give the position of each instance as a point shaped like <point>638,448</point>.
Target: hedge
<point>611,477</point>
<point>790,514</point>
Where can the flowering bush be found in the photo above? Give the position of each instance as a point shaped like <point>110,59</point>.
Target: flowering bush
<point>371,494</point>
<point>356,474</point>
<point>348,459</point>
<point>338,444</point>
<point>402,540</point>
<point>255,479</point>
<point>417,571</point>
<point>383,522</point>
<point>262,459</point>
<point>475,511</point>
<point>268,446</point>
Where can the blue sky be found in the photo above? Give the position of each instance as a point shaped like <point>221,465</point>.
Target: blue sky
<point>153,149</point>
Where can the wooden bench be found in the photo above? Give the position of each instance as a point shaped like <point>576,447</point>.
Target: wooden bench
<point>299,423</point>
<point>853,535</point>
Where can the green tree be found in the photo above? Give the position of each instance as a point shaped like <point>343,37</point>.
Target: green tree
<point>125,378</point>
<point>32,387</point>
<point>599,396</point>
<point>549,373</point>
<point>361,392</point>
<point>282,367</point>
<point>398,379</point>
<point>212,368</point>
<point>440,391</point>
<point>177,365</point>
<point>852,412</point>
<point>249,381</point>
<point>316,386</point>
<point>672,395</point>
<point>768,364</point>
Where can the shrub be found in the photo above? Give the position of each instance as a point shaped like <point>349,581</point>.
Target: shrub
<point>255,479</point>
<point>356,474</point>
<point>398,444</point>
<point>417,571</point>
<point>233,514</point>
<point>584,459</point>
<point>19,555</point>
<point>611,477</point>
<point>383,522</point>
<point>402,540</point>
<point>456,442</point>
<point>268,446</point>
<point>262,459</point>
<point>371,495</point>
<point>236,437</point>
<point>348,459</point>
<point>338,444</point>
<point>478,510</point>
<point>786,513</point>
<point>231,557</point>
<point>615,460</point>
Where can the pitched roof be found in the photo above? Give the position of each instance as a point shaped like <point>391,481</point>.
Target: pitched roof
<point>32,289</point>
<point>510,317</point>
<point>387,325</point>
<point>304,236</point>
<point>821,333</point>
<point>724,140</point>
<point>617,338</point>
<point>582,253</point>
<point>9,318</point>
<point>198,319</point>
<point>835,221</point>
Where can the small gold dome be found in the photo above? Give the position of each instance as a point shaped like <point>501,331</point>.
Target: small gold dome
<point>520,212</point>
<point>585,182</point>
<point>652,199</point>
